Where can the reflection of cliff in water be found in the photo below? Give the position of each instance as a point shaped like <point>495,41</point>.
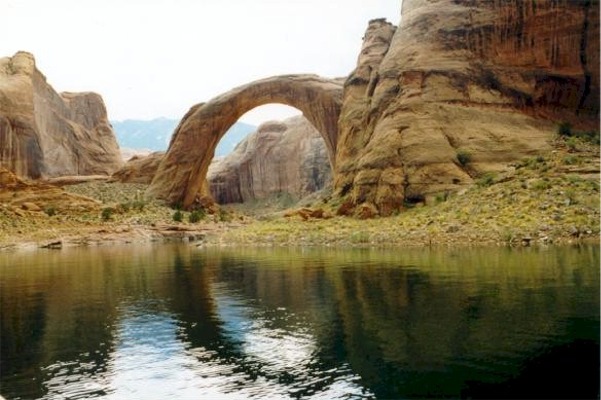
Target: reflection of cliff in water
<point>420,317</point>
<point>53,312</point>
<point>423,329</point>
<point>299,322</point>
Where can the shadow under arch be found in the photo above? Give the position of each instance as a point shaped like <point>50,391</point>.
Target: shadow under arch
<point>181,176</point>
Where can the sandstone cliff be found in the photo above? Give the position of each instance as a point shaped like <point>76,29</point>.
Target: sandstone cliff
<point>181,177</point>
<point>139,168</point>
<point>288,157</point>
<point>490,80</point>
<point>46,134</point>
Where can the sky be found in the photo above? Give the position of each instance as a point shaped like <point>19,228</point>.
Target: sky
<point>157,58</point>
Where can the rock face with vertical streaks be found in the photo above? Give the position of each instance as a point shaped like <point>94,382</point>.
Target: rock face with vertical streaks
<point>288,157</point>
<point>46,134</point>
<point>491,79</point>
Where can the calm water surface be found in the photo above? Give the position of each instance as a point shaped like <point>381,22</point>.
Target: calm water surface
<point>162,321</point>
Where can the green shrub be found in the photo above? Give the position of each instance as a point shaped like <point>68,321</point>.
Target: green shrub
<point>50,211</point>
<point>486,180</point>
<point>572,143</point>
<point>224,215</point>
<point>178,216</point>
<point>565,129</point>
<point>541,184</point>
<point>571,160</point>
<point>571,196</point>
<point>107,213</point>
<point>195,216</point>
<point>531,162</point>
<point>441,197</point>
<point>574,179</point>
<point>590,136</point>
<point>508,237</point>
<point>138,205</point>
<point>463,157</point>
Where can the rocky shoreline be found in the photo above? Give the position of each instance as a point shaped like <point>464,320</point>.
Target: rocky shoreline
<point>286,234</point>
<point>540,201</point>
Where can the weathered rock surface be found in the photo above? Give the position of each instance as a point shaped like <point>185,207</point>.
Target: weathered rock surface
<point>181,177</point>
<point>46,134</point>
<point>21,197</point>
<point>288,157</point>
<point>139,169</point>
<point>490,79</point>
<point>462,88</point>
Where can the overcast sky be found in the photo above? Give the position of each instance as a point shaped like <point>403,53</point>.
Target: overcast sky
<point>156,58</point>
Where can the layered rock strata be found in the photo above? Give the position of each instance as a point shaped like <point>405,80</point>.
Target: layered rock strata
<point>489,80</point>
<point>46,134</point>
<point>288,157</point>
<point>20,197</point>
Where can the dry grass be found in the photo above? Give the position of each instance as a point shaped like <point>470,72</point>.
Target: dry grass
<point>544,199</point>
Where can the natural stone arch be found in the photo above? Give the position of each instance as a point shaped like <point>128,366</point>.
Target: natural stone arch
<point>181,176</point>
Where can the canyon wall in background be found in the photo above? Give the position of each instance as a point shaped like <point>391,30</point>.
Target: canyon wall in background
<point>288,157</point>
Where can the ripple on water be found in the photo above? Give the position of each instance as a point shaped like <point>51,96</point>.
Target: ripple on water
<point>212,328</point>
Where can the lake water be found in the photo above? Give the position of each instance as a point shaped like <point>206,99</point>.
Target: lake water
<point>178,322</point>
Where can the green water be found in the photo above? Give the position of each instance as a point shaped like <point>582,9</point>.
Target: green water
<point>164,321</point>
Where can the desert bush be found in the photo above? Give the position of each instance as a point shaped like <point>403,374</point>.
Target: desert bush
<point>486,180</point>
<point>107,213</point>
<point>572,143</point>
<point>441,197</point>
<point>178,216</point>
<point>138,205</point>
<point>565,129</point>
<point>571,196</point>
<point>591,137</point>
<point>571,160</point>
<point>541,184</point>
<point>224,215</point>
<point>196,215</point>
<point>463,157</point>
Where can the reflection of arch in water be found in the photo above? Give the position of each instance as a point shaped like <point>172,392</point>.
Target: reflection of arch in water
<point>182,173</point>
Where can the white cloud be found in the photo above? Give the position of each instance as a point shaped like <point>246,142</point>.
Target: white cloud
<point>159,57</point>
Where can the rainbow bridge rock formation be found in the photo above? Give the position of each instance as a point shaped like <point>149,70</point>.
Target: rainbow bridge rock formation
<point>181,177</point>
<point>490,79</point>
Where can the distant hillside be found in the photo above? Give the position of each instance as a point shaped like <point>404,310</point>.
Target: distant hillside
<point>155,134</point>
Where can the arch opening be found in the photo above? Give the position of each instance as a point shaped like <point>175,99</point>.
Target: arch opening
<point>283,161</point>
<point>181,176</point>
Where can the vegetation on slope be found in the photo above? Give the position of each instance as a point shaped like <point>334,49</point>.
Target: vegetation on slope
<point>541,200</point>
